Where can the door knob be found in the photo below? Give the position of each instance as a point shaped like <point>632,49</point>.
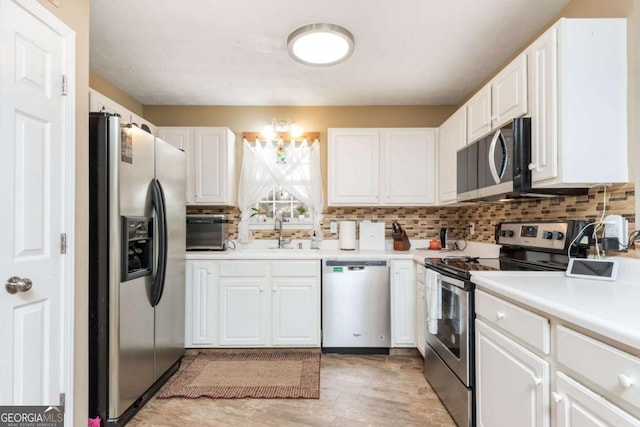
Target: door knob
<point>15,284</point>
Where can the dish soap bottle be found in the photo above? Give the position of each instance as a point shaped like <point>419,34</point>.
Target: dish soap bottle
<point>314,241</point>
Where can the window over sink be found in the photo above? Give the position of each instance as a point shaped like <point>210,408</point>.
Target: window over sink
<point>280,178</point>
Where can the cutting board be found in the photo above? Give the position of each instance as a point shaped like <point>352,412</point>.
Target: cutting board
<point>371,236</point>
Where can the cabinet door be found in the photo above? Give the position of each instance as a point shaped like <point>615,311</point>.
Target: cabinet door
<point>543,99</point>
<point>214,170</point>
<point>452,136</point>
<point>509,92</point>
<point>421,309</point>
<point>201,304</point>
<point>295,309</point>
<point>577,406</point>
<point>512,384</point>
<point>180,137</point>
<point>409,167</point>
<point>479,114</point>
<point>354,167</point>
<point>243,311</point>
<point>403,294</point>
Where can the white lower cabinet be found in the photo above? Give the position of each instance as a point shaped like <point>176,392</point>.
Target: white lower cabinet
<point>253,303</point>
<point>421,308</point>
<point>243,311</point>
<point>295,312</point>
<point>201,299</point>
<point>512,383</point>
<point>593,382</point>
<point>403,294</point>
<point>577,406</point>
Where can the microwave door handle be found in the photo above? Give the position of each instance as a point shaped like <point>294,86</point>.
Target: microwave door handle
<point>491,157</point>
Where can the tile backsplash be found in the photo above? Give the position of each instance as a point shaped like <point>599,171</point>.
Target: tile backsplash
<point>424,223</point>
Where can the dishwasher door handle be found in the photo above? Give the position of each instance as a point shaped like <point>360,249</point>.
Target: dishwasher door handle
<point>356,268</point>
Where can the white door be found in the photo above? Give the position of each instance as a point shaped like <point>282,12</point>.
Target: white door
<point>201,304</point>
<point>180,137</point>
<point>509,92</point>
<point>32,171</point>
<point>452,137</point>
<point>403,297</point>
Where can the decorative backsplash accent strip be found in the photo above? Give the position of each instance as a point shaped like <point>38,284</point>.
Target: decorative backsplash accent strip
<point>424,223</point>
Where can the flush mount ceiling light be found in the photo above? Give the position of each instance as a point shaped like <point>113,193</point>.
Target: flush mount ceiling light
<point>320,44</point>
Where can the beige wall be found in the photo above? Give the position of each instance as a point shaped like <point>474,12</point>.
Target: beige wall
<point>75,13</point>
<point>110,91</point>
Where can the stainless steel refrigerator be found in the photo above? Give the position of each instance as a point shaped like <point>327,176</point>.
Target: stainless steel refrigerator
<point>136,266</point>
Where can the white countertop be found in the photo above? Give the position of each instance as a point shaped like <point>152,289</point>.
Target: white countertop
<point>611,309</point>
<point>264,250</point>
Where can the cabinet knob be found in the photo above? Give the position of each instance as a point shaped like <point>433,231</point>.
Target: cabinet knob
<point>625,381</point>
<point>536,381</point>
<point>275,288</point>
<point>500,315</point>
<point>557,397</point>
<point>531,166</point>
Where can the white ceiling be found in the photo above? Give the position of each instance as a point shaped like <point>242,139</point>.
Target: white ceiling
<point>233,52</point>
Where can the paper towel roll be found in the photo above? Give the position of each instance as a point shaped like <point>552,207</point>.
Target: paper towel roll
<point>347,235</point>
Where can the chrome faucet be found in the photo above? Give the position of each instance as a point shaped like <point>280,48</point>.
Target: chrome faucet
<point>278,228</point>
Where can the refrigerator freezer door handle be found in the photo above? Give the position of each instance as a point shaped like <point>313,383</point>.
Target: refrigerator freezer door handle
<point>157,198</point>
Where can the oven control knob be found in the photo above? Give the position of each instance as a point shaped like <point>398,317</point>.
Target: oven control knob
<point>558,235</point>
<point>547,235</point>
<point>506,233</point>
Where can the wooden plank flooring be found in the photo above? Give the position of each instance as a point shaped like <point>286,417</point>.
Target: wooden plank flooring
<point>354,391</point>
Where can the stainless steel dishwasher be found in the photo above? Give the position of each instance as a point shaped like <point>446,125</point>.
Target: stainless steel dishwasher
<point>356,306</point>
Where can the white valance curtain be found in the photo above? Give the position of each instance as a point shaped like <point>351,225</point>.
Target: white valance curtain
<point>295,167</point>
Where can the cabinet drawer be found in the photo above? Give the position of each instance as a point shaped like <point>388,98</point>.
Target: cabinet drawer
<point>577,405</point>
<point>528,327</point>
<point>615,371</point>
<point>243,269</point>
<point>295,269</point>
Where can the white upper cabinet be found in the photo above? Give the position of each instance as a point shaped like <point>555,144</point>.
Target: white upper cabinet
<point>211,171</point>
<point>479,114</point>
<point>180,137</point>
<point>452,136</point>
<point>502,99</point>
<point>409,166</point>
<point>509,92</point>
<point>388,167</point>
<point>354,166</point>
<point>578,100</point>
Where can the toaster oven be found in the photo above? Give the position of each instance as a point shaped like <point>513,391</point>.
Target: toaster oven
<point>207,232</point>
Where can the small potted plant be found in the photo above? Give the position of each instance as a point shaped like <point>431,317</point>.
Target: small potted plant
<point>301,211</point>
<point>259,213</point>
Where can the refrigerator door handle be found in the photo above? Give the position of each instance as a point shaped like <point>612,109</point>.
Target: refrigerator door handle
<point>158,201</point>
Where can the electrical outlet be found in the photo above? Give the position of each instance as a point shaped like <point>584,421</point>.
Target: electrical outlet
<point>472,228</point>
<point>333,227</point>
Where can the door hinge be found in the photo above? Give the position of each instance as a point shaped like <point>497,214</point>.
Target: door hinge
<point>63,243</point>
<point>62,399</point>
<point>64,85</point>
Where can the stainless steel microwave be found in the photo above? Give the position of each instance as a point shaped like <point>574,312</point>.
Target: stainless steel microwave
<point>496,167</point>
<point>207,232</point>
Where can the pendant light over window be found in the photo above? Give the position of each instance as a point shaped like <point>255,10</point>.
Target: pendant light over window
<point>320,44</point>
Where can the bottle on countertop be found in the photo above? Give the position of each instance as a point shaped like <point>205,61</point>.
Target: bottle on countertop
<point>314,241</point>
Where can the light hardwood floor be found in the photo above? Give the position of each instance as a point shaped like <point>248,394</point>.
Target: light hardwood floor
<point>354,391</point>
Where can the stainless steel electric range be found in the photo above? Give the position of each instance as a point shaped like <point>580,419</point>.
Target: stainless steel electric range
<point>449,350</point>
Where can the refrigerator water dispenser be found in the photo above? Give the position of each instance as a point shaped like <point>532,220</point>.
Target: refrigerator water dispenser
<point>137,241</point>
